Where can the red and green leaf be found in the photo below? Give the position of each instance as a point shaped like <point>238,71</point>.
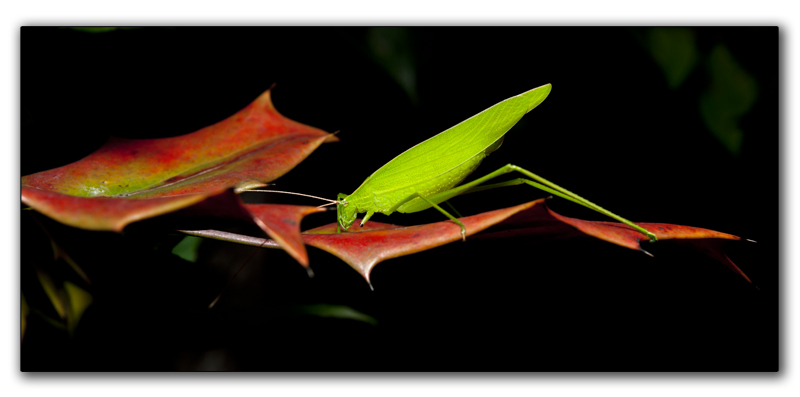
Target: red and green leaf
<point>102,213</point>
<point>130,180</point>
<point>254,146</point>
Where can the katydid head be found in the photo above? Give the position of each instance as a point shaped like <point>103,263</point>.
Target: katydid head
<point>345,213</point>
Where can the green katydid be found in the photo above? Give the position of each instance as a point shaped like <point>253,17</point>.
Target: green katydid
<point>426,175</point>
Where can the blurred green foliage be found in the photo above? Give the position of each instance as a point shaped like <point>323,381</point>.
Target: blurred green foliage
<point>187,248</point>
<point>730,97</point>
<point>332,311</point>
<point>69,301</point>
<point>100,29</point>
<point>393,50</point>
<point>675,52</point>
<point>78,301</point>
<point>732,91</point>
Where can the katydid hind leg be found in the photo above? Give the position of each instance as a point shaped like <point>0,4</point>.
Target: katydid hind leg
<point>520,181</point>
<point>458,214</point>
<point>580,200</point>
<point>540,183</point>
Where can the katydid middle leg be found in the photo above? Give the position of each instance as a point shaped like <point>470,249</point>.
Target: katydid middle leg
<point>432,204</point>
<point>540,183</point>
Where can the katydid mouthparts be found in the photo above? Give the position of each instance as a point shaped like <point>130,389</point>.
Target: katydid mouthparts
<point>427,174</point>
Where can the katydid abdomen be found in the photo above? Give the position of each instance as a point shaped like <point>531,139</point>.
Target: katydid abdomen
<point>426,188</point>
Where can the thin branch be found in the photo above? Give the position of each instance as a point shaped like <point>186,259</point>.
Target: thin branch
<point>233,238</point>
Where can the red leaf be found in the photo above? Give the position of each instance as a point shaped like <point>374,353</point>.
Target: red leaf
<point>541,221</point>
<point>704,240</point>
<point>362,250</point>
<point>130,180</point>
<point>282,223</point>
<point>368,227</point>
<point>254,146</point>
<point>626,236</point>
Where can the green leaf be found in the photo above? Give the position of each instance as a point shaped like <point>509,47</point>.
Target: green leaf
<point>187,248</point>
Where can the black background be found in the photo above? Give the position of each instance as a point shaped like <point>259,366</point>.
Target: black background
<point>612,130</point>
